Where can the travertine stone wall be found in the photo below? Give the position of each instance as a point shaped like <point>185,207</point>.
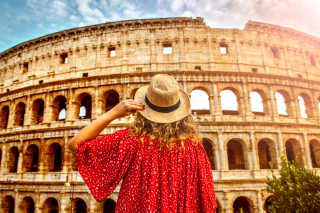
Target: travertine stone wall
<point>94,67</point>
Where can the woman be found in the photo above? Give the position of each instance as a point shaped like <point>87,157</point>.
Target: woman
<point>160,158</point>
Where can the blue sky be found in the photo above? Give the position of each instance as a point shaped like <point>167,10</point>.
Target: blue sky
<point>22,20</point>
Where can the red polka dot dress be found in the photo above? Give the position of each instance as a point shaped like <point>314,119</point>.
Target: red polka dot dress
<point>154,180</point>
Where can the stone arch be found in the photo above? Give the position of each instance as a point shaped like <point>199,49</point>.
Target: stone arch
<point>51,205</point>
<point>110,98</point>
<point>305,105</point>
<point>4,117</point>
<point>19,114</point>
<point>7,205</point>
<point>267,203</point>
<point>293,150</point>
<point>258,102</point>
<point>59,108</point>
<point>54,157</point>
<point>199,99</point>
<point>37,111</point>
<point>267,154</point>
<point>31,159</point>
<point>84,106</point>
<point>109,206</point>
<point>13,159</point>
<point>79,206</point>
<point>236,154</point>
<point>27,205</point>
<point>229,100</point>
<point>208,146</point>
<point>242,203</point>
<point>315,153</point>
<point>283,103</point>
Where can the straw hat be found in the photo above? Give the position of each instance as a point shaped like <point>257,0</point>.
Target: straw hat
<point>164,101</point>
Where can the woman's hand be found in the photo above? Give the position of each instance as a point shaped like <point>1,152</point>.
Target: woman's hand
<point>125,108</point>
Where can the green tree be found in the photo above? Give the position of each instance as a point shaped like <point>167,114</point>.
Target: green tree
<point>297,190</point>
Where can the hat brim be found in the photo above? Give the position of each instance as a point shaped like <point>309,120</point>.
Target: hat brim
<point>161,117</point>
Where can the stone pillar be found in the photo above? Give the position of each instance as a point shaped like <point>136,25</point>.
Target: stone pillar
<point>244,103</point>
<point>64,202</point>
<point>28,112</point>
<point>71,105</point>
<point>223,154</point>
<point>12,114</point>
<point>67,164</point>
<point>253,155</point>
<point>211,105</point>
<point>217,112</point>
<point>20,160</point>
<point>259,202</point>
<point>306,152</point>
<point>41,155</point>
<point>3,165</point>
<point>273,105</point>
<point>281,148</point>
<point>47,115</point>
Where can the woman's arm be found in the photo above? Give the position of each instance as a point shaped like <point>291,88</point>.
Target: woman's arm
<point>91,131</point>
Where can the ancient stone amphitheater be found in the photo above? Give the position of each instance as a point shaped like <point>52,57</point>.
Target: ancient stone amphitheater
<point>259,90</point>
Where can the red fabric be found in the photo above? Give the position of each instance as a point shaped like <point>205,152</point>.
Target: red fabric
<point>154,180</point>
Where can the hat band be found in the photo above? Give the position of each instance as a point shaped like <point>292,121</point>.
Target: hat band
<point>162,109</point>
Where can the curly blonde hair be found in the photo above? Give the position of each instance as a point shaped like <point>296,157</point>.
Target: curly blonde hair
<point>168,134</point>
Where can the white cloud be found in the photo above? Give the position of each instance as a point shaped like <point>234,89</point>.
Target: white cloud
<point>90,14</point>
<point>302,15</point>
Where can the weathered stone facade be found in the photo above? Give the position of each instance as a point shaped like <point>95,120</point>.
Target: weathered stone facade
<point>54,85</point>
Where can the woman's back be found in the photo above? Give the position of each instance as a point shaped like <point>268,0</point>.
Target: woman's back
<point>155,179</point>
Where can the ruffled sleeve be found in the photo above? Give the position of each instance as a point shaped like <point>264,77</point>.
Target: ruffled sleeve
<point>103,162</point>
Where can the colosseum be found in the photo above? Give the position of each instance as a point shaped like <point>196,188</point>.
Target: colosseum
<point>259,89</point>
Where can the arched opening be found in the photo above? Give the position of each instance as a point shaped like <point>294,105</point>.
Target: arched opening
<point>109,206</point>
<point>241,205</point>
<point>7,204</point>
<point>37,111</point>
<point>207,144</point>
<point>59,108</point>
<point>27,205</point>
<point>218,209</point>
<point>54,157</point>
<point>4,117</point>
<point>305,106</point>
<point>13,159</point>
<point>315,153</point>
<point>50,206</point>
<point>267,204</point>
<point>19,115</point>
<point>235,155</point>
<point>229,102</point>
<point>111,99</point>
<point>256,102</point>
<point>267,155</point>
<point>31,159</point>
<point>283,103</point>
<point>199,102</point>
<point>79,206</point>
<point>293,151</point>
<point>85,102</point>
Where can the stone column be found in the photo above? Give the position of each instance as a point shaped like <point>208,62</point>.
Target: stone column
<point>211,105</point>
<point>244,103</point>
<point>67,164</point>
<point>254,161</point>
<point>3,165</point>
<point>28,112</point>
<point>223,154</point>
<point>217,112</point>
<point>20,160</point>
<point>306,152</point>
<point>259,202</point>
<point>281,148</point>
<point>273,109</point>
<point>47,114</point>
<point>41,155</point>
<point>71,105</point>
<point>64,202</point>
<point>12,114</point>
